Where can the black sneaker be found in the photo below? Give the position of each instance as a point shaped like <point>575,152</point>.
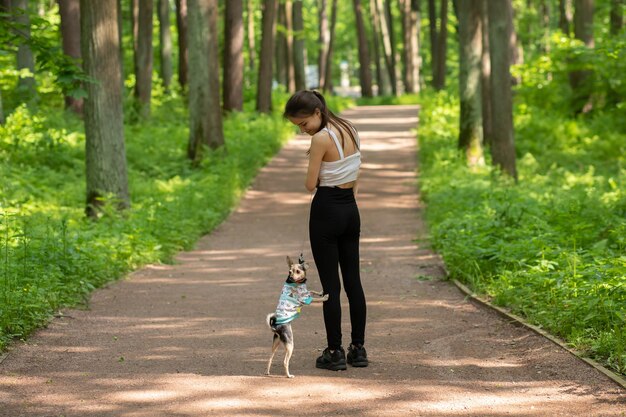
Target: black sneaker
<point>357,356</point>
<point>335,361</point>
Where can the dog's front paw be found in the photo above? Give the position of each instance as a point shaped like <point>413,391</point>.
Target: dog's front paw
<point>289,376</point>
<point>325,297</point>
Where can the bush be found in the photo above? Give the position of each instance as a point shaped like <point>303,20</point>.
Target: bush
<point>550,248</point>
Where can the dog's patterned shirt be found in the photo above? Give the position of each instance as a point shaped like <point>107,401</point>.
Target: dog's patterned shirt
<point>292,297</point>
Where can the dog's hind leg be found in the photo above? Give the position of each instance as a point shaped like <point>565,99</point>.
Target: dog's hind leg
<point>275,345</point>
<point>288,353</point>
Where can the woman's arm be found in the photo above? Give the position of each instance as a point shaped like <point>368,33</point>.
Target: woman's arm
<point>319,143</point>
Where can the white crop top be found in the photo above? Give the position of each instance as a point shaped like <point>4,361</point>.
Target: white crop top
<point>343,170</point>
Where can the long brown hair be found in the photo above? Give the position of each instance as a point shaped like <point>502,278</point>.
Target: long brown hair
<point>305,102</point>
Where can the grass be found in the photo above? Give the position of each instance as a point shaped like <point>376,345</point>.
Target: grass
<point>551,248</point>
<point>51,256</point>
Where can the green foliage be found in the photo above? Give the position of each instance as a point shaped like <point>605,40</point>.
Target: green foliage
<point>44,42</point>
<point>389,100</point>
<point>52,256</point>
<point>550,248</point>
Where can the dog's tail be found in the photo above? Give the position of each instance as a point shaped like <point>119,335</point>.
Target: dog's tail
<point>271,321</point>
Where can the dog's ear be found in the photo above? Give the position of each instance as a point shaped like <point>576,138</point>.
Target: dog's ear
<point>305,265</point>
<point>289,262</point>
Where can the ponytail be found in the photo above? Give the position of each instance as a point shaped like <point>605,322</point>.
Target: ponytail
<point>305,102</point>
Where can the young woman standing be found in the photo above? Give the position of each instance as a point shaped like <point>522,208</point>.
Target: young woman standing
<point>335,225</point>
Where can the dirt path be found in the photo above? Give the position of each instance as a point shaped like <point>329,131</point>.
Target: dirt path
<point>190,339</point>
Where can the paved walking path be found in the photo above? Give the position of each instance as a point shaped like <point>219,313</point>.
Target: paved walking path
<point>190,339</point>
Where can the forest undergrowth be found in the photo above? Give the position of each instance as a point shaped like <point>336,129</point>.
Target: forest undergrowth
<point>551,247</point>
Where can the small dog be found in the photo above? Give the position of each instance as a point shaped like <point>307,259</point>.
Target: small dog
<point>293,296</point>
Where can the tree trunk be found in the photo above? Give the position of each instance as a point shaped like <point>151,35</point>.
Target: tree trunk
<point>120,36</point>
<point>470,51</point>
<point>143,59</point>
<point>165,43</point>
<point>280,48</point>
<point>410,28</point>
<point>617,16</point>
<point>299,47</point>
<point>394,52</point>
<point>324,40</point>
<point>25,59</point>
<point>134,25</point>
<point>442,48</point>
<point>183,50</point>
<point>205,111</point>
<point>105,153</point>
<point>328,80</point>
<point>284,47</point>
<point>486,77</point>
<point>583,30</point>
<point>382,82</point>
<point>69,11</point>
<point>290,70</point>
<point>565,16</point>
<point>233,56</point>
<point>387,46</point>
<point>432,25</point>
<point>251,36</point>
<point>264,87</point>
<point>416,18</point>
<point>517,51</point>
<point>2,119</point>
<point>502,146</point>
<point>365,74</point>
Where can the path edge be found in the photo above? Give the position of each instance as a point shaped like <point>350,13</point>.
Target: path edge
<point>513,317</point>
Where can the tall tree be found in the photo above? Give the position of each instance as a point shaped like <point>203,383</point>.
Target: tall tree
<point>470,48</point>
<point>264,87</point>
<point>324,40</point>
<point>280,47</point>
<point>143,58</point>
<point>233,56</point>
<point>165,43</point>
<point>387,45</point>
<point>617,16</point>
<point>411,18</point>
<point>290,69</point>
<point>205,112</point>
<point>565,16</point>
<point>2,119</point>
<point>485,76</point>
<point>365,75</point>
<point>392,38</point>
<point>183,50</point>
<point>439,79</point>
<point>382,79</point>
<point>69,11</point>
<point>105,152</point>
<point>503,145</point>
<point>583,31</point>
<point>25,58</point>
<point>251,36</point>
<point>433,32</point>
<point>299,46</point>
<point>284,46</point>
<point>328,80</point>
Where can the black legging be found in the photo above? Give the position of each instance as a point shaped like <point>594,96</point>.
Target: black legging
<point>334,229</point>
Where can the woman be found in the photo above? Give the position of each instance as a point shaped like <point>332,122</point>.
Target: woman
<point>335,225</point>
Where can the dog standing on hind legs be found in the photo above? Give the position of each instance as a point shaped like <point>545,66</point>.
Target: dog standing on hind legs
<point>293,296</point>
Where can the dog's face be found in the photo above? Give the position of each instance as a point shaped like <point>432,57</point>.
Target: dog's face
<point>297,271</point>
